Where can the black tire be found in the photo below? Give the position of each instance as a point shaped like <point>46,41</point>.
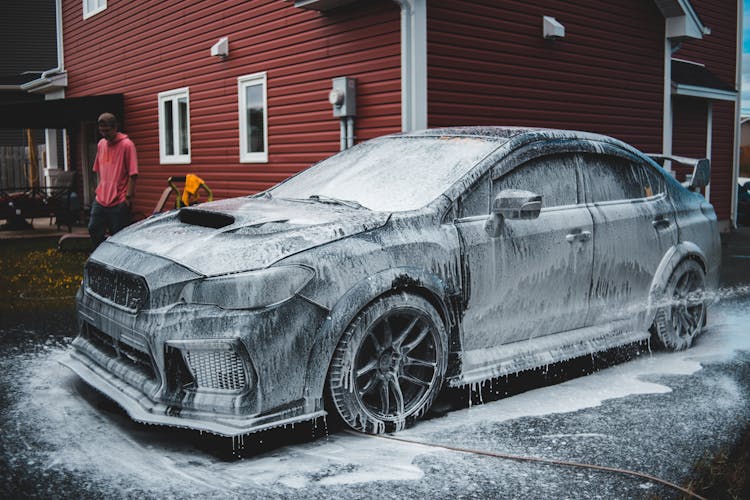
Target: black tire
<point>389,364</point>
<point>680,319</point>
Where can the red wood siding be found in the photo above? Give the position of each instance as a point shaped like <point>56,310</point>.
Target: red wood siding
<point>689,136</point>
<point>689,139</point>
<point>489,64</point>
<point>718,52</point>
<point>146,47</point>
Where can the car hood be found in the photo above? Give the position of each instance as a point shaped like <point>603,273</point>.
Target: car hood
<point>242,234</point>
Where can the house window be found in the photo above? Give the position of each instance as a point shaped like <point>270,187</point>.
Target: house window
<point>91,7</point>
<point>253,118</point>
<point>174,126</point>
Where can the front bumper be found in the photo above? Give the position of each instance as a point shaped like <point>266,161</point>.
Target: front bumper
<point>254,363</point>
<point>143,409</point>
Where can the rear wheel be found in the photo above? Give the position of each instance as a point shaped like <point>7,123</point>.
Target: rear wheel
<point>389,364</point>
<point>682,315</point>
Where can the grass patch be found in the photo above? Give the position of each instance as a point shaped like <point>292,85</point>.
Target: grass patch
<point>724,475</point>
<point>35,275</point>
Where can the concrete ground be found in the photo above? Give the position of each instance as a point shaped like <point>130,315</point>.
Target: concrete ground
<point>43,228</point>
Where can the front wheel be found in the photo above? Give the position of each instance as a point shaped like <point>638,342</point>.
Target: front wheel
<point>682,315</point>
<point>389,364</point>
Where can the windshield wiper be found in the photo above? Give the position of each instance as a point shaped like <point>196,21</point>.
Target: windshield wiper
<point>334,201</point>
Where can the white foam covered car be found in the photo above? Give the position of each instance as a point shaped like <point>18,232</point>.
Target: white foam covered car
<point>365,283</point>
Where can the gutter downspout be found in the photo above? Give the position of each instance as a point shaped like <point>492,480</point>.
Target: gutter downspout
<point>666,144</point>
<point>709,141</point>
<point>413,64</point>
<point>60,52</point>
<point>59,41</point>
<point>50,135</point>
<point>737,114</point>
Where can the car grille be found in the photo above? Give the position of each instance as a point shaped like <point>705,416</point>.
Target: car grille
<point>122,288</point>
<point>113,348</point>
<point>222,370</point>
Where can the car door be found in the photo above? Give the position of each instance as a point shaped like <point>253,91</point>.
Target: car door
<point>533,279</point>
<point>634,226</point>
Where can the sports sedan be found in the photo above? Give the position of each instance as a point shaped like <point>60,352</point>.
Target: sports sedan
<point>364,284</point>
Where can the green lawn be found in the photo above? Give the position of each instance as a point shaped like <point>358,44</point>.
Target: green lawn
<point>35,275</point>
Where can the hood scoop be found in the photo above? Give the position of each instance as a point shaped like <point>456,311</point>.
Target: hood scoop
<point>205,218</point>
<point>265,227</point>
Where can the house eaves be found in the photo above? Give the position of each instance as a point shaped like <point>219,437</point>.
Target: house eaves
<point>690,79</point>
<point>321,5</point>
<point>683,22</point>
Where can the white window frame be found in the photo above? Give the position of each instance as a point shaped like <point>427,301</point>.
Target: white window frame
<point>100,7</point>
<point>173,95</point>
<point>242,83</point>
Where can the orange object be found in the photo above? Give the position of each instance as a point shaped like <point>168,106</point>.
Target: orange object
<point>190,193</point>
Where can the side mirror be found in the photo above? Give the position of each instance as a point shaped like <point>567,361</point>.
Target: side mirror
<point>517,204</point>
<point>512,204</point>
<point>701,174</point>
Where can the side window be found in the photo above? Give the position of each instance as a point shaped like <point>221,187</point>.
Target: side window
<point>91,7</point>
<point>612,178</point>
<point>174,126</point>
<point>653,182</point>
<point>552,176</point>
<point>253,118</point>
<point>475,201</point>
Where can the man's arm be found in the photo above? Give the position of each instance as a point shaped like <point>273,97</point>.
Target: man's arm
<point>131,190</point>
<point>131,159</point>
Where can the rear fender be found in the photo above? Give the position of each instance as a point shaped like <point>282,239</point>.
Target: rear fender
<point>672,258</point>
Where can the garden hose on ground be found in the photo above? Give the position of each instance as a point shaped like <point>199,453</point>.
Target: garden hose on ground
<point>522,458</point>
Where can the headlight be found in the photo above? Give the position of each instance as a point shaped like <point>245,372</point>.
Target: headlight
<point>250,290</point>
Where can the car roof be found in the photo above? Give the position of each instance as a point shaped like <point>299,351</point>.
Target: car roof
<point>518,136</point>
<point>502,133</point>
<point>515,137</point>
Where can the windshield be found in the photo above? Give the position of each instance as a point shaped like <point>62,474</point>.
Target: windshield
<point>389,174</point>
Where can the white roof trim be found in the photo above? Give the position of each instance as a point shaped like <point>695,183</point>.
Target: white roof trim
<point>47,84</point>
<point>704,92</point>
<point>682,20</point>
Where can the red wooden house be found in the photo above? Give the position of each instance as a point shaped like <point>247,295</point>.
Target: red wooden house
<point>237,91</point>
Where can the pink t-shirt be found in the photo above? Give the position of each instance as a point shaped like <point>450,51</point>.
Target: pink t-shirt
<point>115,162</point>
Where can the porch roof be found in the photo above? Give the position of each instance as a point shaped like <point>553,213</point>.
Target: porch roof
<point>60,113</point>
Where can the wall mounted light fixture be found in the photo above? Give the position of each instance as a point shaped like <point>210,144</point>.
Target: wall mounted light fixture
<point>552,29</point>
<point>221,48</point>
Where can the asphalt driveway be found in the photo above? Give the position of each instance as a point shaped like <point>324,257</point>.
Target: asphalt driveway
<point>657,413</point>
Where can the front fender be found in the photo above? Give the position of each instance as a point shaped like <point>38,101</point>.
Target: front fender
<point>351,303</point>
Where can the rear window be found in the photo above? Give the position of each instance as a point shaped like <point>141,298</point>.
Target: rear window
<point>612,178</point>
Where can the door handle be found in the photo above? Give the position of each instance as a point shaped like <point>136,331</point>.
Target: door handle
<point>661,223</point>
<point>580,236</point>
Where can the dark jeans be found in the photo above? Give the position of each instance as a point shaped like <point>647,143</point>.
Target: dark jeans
<point>105,219</point>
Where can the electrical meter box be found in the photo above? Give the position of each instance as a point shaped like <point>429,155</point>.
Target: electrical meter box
<point>343,97</point>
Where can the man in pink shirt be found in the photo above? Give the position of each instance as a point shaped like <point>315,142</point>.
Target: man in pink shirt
<point>116,165</point>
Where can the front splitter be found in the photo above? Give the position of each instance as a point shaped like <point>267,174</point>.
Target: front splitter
<point>142,409</point>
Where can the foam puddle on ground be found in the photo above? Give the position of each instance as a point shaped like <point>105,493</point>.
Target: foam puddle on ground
<point>727,333</point>
<point>108,447</point>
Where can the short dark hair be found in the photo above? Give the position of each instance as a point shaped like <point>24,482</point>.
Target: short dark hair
<point>108,118</point>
